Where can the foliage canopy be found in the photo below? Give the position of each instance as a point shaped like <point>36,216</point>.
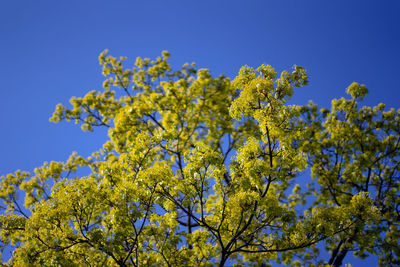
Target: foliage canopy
<point>201,171</point>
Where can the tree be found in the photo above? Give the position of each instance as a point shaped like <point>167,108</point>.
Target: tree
<point>202,170</point>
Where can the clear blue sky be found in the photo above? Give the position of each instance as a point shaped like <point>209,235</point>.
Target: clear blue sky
<point>50,48</point>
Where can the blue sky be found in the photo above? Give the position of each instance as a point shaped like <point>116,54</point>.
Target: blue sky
<point>50,48</point>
